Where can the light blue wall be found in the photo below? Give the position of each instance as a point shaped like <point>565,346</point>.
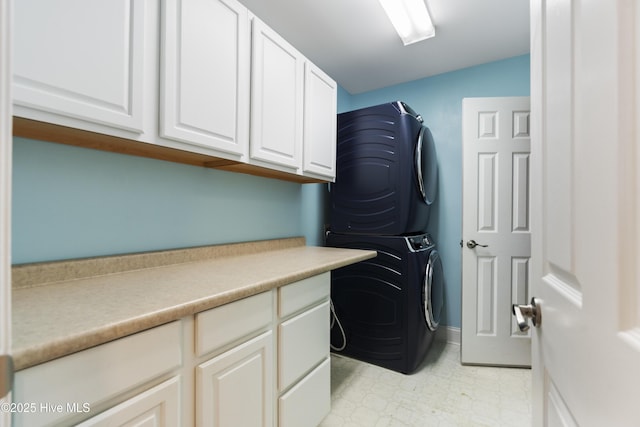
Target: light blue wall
<point>315,214</point>
<point>345,100</point>
<point>71,202</point>
<point>439,100</point>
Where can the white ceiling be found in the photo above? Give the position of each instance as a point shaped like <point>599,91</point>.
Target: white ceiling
<point>354,42</point>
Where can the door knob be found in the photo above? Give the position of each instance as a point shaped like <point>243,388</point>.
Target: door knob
<point>525,312</point>
<point>472,244</point>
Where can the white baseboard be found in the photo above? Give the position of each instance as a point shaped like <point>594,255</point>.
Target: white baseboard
<point>448,334</point>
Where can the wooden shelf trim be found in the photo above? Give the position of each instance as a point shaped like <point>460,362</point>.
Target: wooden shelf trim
<point>48,132</point>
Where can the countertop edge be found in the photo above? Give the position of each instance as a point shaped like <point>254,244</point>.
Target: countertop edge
<point>44,273</point>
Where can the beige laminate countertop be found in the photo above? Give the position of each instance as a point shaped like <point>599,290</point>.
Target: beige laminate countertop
<point>94,304</point>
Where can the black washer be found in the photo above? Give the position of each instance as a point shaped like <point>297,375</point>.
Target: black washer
<point>389,306</point>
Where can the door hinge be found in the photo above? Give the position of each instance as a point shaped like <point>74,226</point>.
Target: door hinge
<point>6,374</point>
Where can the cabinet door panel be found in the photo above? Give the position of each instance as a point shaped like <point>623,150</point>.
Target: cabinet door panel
<point>304,342</point>
<point>81,59</point>
<point>205,74</point>
<point>320,103</point>
<point>236,388</point>
<point>158,407</point>
<point>97,374</point>
<point>239,318</point>
<point>277,97</point>
<point>309,401</point>
<point>304,293</point>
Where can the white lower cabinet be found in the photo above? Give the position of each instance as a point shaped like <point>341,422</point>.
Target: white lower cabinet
<point>303,352</point>
<point>70,389</point>
<point>234,383</point>
<point>219,368</point>
<point>235,388</point>
<point>303,344</point>
<point>159,406</point>
<point>309,401</point>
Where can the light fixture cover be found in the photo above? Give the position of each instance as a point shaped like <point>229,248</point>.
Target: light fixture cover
<point>410,19</point>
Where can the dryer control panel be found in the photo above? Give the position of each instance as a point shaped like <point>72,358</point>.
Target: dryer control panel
<point>419,242</point>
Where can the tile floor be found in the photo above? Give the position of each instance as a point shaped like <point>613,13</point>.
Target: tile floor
<point>442,392</point>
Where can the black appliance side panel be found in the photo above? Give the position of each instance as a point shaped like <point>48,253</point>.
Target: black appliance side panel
<point>379,303</point>
<point>376,189</point>
<point>370,303</point>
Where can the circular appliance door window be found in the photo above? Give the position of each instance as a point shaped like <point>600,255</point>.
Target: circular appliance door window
<point>433,292</point>
<point>426,166</point>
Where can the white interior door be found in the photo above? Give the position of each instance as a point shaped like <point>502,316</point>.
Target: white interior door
<point>495,273</point>
<point>586,206</point>
<point>5,201</point>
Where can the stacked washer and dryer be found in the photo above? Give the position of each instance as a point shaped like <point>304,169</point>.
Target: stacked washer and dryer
<point>387,309</point>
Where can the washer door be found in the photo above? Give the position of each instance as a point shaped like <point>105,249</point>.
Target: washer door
<point>426,166</point>
<point>433,292</point>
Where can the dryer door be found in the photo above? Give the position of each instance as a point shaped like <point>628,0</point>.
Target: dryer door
<point>426,166</point>
<point>433,292</point>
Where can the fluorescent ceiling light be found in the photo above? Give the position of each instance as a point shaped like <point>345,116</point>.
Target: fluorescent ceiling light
<point>410,18</point>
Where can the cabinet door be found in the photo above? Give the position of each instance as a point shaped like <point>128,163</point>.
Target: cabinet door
<point>159,406</point>
<point>79,59</point>
<point>276,99</point>
<point>320,103</point>
<point>96,375</point>
<point>241,319</point>
<point>309,401</point>
<point>303,343</point>
<point>236,388</point>
<point>205,74</point>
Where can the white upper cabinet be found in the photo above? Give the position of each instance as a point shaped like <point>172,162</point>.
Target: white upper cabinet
<point>185,77</point>
<point>205,61</point>
<point>320,103</point>
<point>276,100</point>
<point>79,59</point>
